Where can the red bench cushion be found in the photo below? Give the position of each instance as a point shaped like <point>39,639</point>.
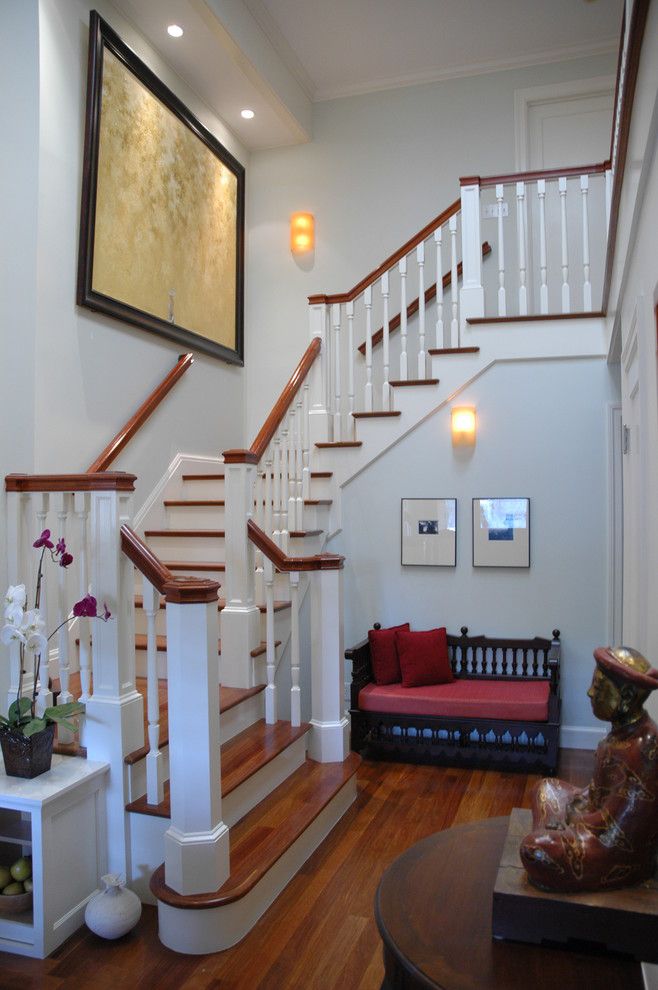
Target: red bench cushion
<point>462,698</point>
<point>384,654</point>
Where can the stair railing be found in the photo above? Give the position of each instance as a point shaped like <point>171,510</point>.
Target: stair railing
<point>328,740</point>
<point>339,319</point>
<point>551,240</point>
<point>196,842</point>
<point>269,482</point>
<point>87,510</point>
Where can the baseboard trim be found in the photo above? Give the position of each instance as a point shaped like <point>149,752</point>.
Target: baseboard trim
<point>580,737</point>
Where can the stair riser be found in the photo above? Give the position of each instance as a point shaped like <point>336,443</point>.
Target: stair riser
<point>281,622</point>
<point>201,489</point>
<point>137,775</point>
<point>195,517</point>
<point>194,932</point>
<point>245,797</point>
<point>192,548</point>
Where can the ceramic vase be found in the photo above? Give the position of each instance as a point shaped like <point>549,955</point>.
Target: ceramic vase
<point>112,912</point>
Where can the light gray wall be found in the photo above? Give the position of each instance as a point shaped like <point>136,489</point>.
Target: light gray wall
<point>541,434</point>
<point>378,169</point>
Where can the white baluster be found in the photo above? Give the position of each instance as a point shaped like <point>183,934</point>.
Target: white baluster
<point>259,518</point>
<point>422,355</point>
<point>16,502</point>
<point>81,509</point>
<point>438,234</point>
<point>587,285</point>
<point>502,303</point>
<point>543,272</point>
<point>45,695</point>
<point>292,471</point>
<point>276,533</point>
<point>402,266</point>
<point>269,508</point>
<point>608,196</point>
<point>299,500</point>
<point>454,283</point>
<point>64,735</point>
<point>349,312</point>
<point>562,189</point>
<point>367,298</point>
<point>270,690</point>
<point>520,227</point>
<point>306,442</point>
<point>295,691</point>
<point>386,388</point>
<point>154,762</point>
<point>335,323</point>
<point>285,492</point>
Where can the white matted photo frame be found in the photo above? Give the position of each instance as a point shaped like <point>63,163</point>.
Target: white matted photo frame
<point>429,531</point>
<point>501,532</point>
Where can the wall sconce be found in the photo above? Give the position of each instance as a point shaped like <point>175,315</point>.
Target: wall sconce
<point>302,233</point>
<point>463,426</point>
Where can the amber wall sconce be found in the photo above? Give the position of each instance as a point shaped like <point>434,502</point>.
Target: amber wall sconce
<point>302,233</point>
<point>463,426</point>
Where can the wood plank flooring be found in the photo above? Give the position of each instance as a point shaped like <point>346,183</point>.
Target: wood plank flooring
<point>320,932</point>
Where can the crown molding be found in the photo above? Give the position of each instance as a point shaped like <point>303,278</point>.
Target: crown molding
<point>286,53</point>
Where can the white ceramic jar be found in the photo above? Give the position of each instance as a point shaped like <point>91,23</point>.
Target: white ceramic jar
<point>112,912</point>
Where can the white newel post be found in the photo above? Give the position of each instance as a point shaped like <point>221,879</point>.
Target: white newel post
<point>15,503</point>
<point>196,843</point>
<point>241,615</point>
<point>471,296</point>
<point>329,726</point>
<point>319,417</point>
<point>114,721</point>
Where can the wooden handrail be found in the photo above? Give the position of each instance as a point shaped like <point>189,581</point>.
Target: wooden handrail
<point>546,173</point>
<point>280,408</point>
<point>393,259</point>
<point>412,308</point>
<point>282,562</point>
<point>104,481</point>
<point>182,590</point>
<point>128,431</point>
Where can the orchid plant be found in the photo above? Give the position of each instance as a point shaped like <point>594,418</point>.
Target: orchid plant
<point>27,628</point>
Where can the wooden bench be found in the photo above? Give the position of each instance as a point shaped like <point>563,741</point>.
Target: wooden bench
<point>501,711</point>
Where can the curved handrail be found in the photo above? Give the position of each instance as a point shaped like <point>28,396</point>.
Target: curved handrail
<point>281,560</point>
<point>280,408</point>
<point>128,431</point>
<point>422,235</point>
<point>598,168</point>
<point>103,481</point>
<point>182,590</point>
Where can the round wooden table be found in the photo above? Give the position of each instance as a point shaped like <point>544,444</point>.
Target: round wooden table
<point>433,910</point>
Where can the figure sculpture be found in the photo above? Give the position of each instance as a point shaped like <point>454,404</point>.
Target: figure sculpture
<point>606,835</point>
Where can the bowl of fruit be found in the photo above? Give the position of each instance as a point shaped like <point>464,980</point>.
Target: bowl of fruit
<point>16,886</point>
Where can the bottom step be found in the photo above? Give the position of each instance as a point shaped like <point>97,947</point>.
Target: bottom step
<point>268,847</point>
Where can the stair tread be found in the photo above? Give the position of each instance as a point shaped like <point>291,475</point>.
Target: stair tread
<point>260,838</point>
<point>398,383</point>
<point>322,474</point>
<point>207,502</point>
<point>376,415</point>
<point>186,533</point>
<point>203,477</point>
<point>194,565</point>
<point>453,350</point>
<point>318,501</point>
<point>141,643</point>
<point>242,757</point>
<point>299,534</point>
<point>221,604</point>
<point>341,443</point>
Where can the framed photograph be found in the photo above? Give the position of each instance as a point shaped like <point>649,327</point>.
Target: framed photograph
<point>162,217</point>
<point>501,532</point>
<point>429,531</point>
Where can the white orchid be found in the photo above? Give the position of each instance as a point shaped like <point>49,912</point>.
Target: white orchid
<point>15,603</point>
<point>12,634</point>
<point>26,628</point>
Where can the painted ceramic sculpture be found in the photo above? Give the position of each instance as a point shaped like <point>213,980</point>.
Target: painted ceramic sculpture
<point>605,836</point>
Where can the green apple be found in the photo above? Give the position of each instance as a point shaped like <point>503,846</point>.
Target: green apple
<point>13,888</point>
<point>22,868</point>
<point>29,885</point>
<point>5,876</point>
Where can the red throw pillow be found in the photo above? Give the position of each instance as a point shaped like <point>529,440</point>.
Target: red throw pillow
<point>424,657</point>
<point>384,654</point>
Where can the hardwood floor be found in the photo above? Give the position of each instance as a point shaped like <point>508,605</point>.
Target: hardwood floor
<point>320,933</point>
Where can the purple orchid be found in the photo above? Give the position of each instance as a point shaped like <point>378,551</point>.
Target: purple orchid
<point>60,546</point>
<point>66,559</point>
<point>86,607</point>
<point>106,613</point>
<point>44,540</point>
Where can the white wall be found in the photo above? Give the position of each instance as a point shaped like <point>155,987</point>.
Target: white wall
<point>541,434</point>
<point>379,168</point>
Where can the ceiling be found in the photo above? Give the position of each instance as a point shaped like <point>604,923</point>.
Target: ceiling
<point>278,57</point>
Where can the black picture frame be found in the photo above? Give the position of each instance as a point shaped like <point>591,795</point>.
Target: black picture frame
<point>103,39</point>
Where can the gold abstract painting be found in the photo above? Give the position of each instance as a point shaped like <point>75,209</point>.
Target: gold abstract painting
<point>165,242</point>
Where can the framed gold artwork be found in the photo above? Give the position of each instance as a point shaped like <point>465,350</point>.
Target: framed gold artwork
<point>162,218</point>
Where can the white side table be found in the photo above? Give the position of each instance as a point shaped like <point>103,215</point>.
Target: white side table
<point>58,819</point>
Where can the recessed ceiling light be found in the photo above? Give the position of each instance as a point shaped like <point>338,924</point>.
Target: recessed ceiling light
<point>247,114</point>
<point>175,30</point>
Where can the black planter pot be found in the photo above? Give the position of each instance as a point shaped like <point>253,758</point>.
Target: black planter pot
<point>27,756</point>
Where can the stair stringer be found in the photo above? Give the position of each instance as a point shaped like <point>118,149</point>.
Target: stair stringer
<point>534,340</point>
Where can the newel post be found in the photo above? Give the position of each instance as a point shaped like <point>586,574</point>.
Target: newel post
<point>471,296</point>
<point>241,615</point>
<point>319,375</point>
<point>196,842</point>
<point>329,725</point>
